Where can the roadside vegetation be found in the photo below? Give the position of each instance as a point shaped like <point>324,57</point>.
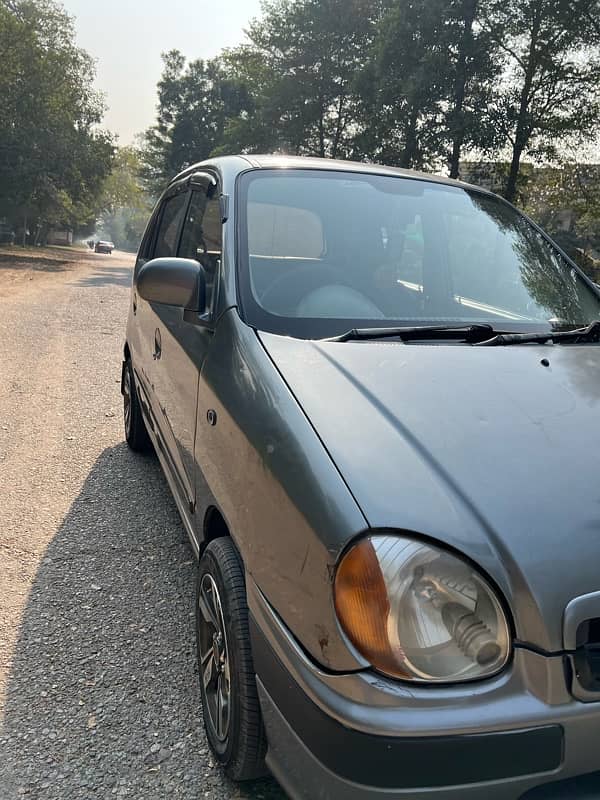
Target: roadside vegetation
<point>53,156</point>
<point>59,170</point>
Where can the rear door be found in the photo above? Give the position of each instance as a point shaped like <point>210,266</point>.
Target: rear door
<point>185,338</point>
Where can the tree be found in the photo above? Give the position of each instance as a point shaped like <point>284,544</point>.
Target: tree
<point>290,88</point>
<point>549,92</point>
<point>428,84</point>
<point>474,65</point>
<point>405,86</point>
<point>300,70</point>
<point>195,100</point>
<point>415,83</point>
<point>254,128</point>
<point>52,158</point>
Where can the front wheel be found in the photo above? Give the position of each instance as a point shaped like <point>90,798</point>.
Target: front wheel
<point>232,716</point>
<point>136,434</point>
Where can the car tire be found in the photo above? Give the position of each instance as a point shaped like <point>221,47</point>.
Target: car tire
<point>136,434</point>
<point>233,723</point>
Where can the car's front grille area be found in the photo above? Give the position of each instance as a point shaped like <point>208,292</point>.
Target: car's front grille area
<point>586,659</point>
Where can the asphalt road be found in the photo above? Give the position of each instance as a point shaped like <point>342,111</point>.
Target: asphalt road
<point>98,685</point>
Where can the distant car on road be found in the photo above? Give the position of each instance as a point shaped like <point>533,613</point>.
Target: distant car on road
<point>375,396</point>
<point>104,247</point>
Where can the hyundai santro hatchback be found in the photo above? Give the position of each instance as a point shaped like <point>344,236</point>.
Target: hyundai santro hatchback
<point>375,397</point>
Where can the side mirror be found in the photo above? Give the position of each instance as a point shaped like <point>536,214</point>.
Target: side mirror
<point>177,282</point>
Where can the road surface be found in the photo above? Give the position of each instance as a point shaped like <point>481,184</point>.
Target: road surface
<point>98,686</point>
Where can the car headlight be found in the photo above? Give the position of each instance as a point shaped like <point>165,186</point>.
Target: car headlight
<point>419,613</point>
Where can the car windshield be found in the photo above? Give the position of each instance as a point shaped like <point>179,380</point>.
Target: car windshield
<point>325,251</point>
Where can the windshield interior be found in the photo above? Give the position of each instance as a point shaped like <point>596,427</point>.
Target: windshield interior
<point>325,251</point>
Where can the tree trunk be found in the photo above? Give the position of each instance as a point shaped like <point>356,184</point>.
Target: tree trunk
<point>24,240</point>
<point>523,130</point>
<point>460,87</point>
<point>457,144</point>
<point>510,190</point>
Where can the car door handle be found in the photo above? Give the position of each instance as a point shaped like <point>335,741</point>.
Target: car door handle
<point>157,346</point>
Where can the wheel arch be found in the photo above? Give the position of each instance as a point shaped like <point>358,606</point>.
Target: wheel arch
<point>215,526</point>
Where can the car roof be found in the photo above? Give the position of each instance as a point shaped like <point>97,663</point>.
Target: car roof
<point>241,163</point>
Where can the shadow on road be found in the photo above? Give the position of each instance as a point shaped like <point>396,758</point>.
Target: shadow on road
<point>15,261</point>
<point>103,696</point>
<point>108,276</point>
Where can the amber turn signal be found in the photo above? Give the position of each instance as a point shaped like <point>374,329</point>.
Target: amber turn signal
<point>363,608</point>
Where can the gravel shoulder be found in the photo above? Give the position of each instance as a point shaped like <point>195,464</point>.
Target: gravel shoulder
<point>98,687</point>
<point>20,266</point>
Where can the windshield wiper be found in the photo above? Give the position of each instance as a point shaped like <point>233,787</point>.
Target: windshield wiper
<point>471,334</point>
<point>589,334</point>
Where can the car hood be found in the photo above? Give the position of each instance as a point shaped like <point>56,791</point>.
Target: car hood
<point>487,450</point>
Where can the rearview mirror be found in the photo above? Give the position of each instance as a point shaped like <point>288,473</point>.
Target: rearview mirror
<point>176,282</point>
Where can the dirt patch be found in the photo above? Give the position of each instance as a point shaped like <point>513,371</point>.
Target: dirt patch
<point>20,266</point>
<point>41,255</point>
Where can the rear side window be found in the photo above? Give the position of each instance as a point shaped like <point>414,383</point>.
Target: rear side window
<point>167,237</point>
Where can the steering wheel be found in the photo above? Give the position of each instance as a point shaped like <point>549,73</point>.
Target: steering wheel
<point>285,293</point>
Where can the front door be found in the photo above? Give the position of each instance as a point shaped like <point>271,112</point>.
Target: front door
<point>184,341</point>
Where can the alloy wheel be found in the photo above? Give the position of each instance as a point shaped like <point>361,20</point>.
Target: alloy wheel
<point>214,658</point>
<point>127,402</point>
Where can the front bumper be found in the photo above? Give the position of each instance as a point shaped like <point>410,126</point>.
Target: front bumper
<point>359,736</point>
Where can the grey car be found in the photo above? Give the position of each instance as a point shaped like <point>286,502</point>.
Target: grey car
<point>104,247</point>
<point>375,397</point>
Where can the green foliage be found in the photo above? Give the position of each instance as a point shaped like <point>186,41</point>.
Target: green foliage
<point>405,84</point>
<point>52,158</point>
<point>251,129</point>
<point>307,56</point>
<point>194,102</point>
<point>474,65</point>
<point>291,88</point>
<point>409,82</point>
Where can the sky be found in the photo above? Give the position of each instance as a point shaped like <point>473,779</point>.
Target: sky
<point>126,37</point>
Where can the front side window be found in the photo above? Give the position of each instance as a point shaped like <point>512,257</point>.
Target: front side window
<point>169,226</point>
<point>325,251</point>
<point>201,238</point>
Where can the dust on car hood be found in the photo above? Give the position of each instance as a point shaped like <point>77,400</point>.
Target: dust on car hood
<point>485,449</point>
